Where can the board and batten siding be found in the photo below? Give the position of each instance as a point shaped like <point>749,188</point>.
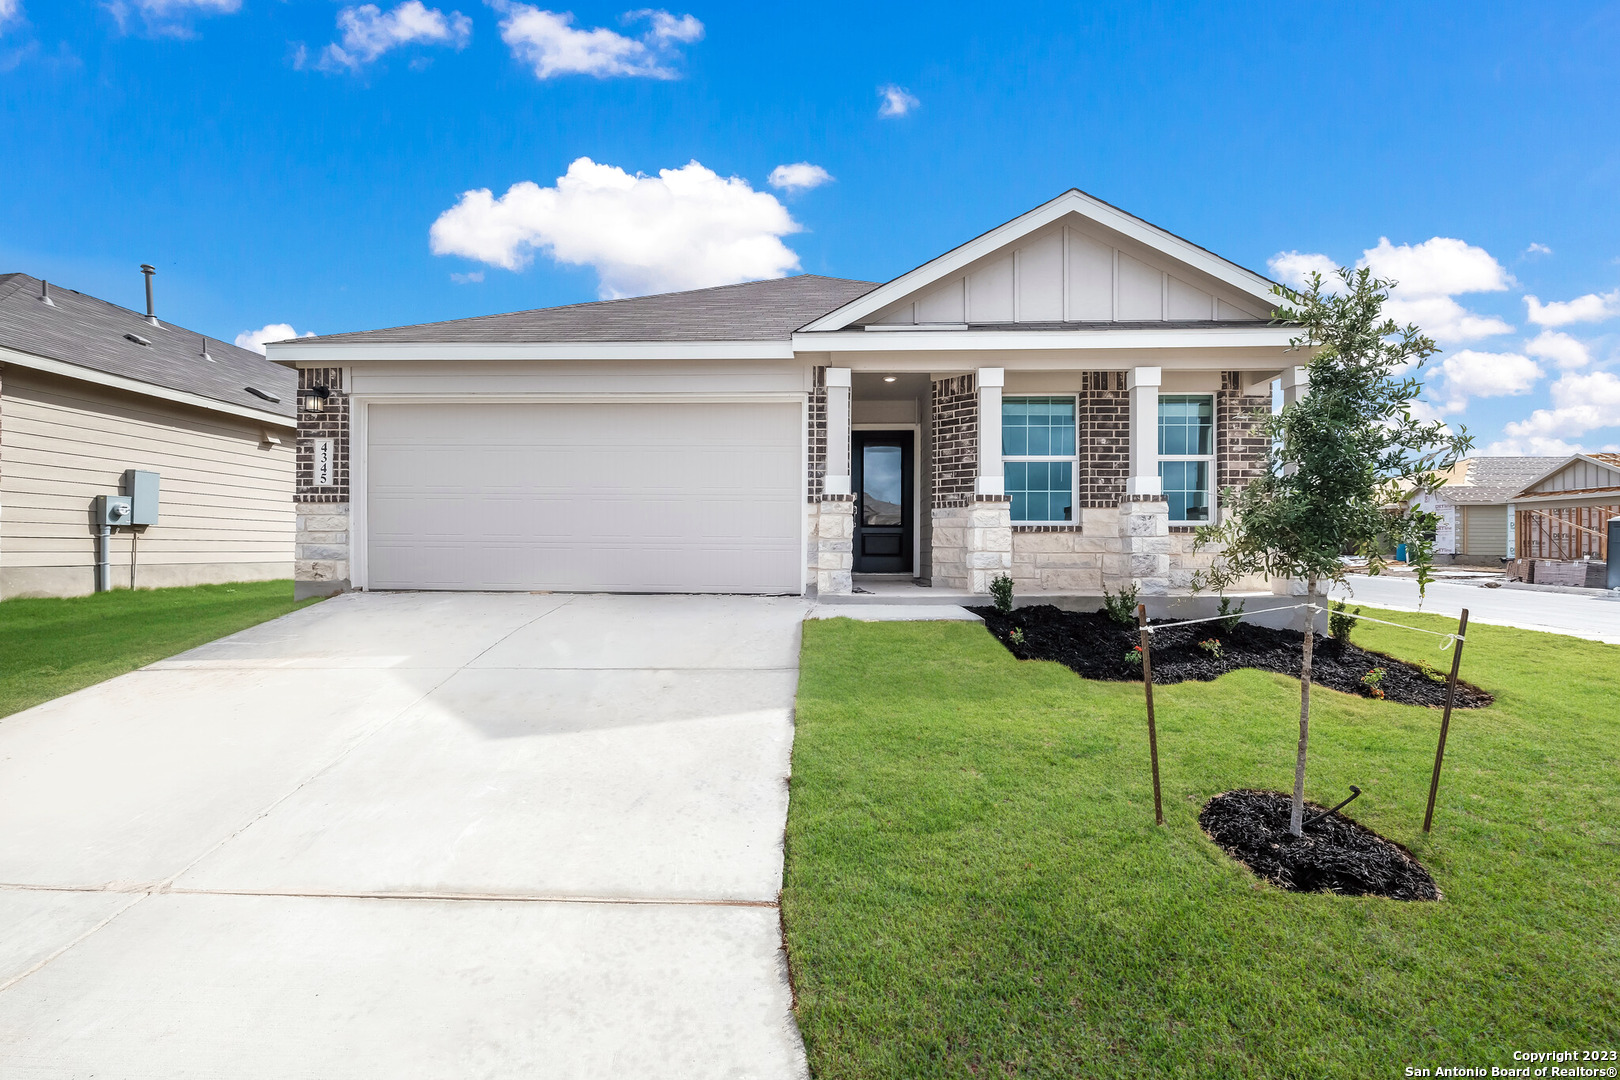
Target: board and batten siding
<point>226,511</point>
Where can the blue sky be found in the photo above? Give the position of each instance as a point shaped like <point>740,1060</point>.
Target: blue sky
<point>283,161</point>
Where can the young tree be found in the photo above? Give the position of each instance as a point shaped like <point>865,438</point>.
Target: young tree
<point>1344,459</point>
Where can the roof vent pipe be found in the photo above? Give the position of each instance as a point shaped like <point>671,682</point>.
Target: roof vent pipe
<point>45,293</point>
<point>151,316</point>
<point>204,343</point>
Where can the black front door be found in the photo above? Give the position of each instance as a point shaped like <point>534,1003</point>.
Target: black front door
<point>883,502</point>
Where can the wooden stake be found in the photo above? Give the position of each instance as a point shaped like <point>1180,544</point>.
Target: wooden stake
<point>1147,685</point>
<point>1445,721</point>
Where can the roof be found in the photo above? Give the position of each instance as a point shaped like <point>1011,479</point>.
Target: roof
<point>85,332</point>
<point>753,311</point>
<point>1496,479</point>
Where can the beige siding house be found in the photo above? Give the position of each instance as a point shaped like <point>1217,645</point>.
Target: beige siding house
<point>89,391</point>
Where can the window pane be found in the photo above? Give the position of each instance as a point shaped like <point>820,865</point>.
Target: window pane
<point>882,493</point>
<point>1186,424</point>
<point>1041,426</point>
<point>1040,490</point>
<point>1186,489</point>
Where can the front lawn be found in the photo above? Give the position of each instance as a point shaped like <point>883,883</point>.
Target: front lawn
<point>51,647</point>
<point>975,886</point>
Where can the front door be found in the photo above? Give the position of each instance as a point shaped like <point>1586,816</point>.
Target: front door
<point>883,502</point>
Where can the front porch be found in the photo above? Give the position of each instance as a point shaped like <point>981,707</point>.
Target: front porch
<point>940,482</point>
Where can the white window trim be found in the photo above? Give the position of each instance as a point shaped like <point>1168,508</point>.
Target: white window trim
<point>1214,444</point>
<point>1073,459</point>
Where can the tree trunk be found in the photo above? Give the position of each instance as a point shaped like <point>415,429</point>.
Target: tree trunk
<point>1296,818</point>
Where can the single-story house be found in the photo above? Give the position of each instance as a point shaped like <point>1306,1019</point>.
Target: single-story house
<point>91,392</point>
<point>1062,399</point>
<point>1565,518</point>
<point>1474,507</point>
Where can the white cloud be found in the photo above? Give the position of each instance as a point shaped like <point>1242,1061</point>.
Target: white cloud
<point>368,32</point>
<point>1440,266</point>
<point>1295,267</point>
<point>685,228</point>
<point>1581,403</point>
<point>1538,249</point>
<point>1561,349</point>
<point>1471,374</point>
<point>278,331</point>
<point>1533,446</point>
<point>1593,307</point>
<point>472,277</point>
<point>168,16</point>
<point>896,100</point>
<point>549,43</point>
<point>9,10</point>
<point>800,176</point>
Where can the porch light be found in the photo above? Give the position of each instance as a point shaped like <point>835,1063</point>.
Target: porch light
<point>315,397</point>
<point>888,378</point>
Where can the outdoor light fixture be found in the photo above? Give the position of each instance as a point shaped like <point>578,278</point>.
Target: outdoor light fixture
<point>315,397</point>
<point>888,378</point>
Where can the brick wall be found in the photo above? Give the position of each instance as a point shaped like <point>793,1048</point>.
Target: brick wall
<point>1105,438</point>
<point>955,430</point>
<point>817,434</point>
<point>330,421</point>
<point>1240,448</point>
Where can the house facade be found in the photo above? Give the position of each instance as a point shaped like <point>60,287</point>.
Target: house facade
<point>1062,399</point>
<point>91,392</point>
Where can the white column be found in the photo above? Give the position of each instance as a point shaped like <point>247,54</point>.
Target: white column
<point>836,481</point>
<point>991,480</point>
<point>1296,383</point>
<point>1143,384</point>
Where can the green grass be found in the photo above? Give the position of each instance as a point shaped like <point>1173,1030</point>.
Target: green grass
<point>975,886</point>
<point>52,647</point>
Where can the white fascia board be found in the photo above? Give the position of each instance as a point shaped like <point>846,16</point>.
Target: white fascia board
<point>844,341</point>
<point>1599,497</point>
<point>321,355</point>
<point>1075,202</point>
<point>145,389</point>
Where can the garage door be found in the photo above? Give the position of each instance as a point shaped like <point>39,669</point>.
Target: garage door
<point>634,497</point>
<point>1485,531</point>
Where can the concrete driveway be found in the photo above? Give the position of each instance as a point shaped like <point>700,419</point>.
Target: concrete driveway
<point>411,835</point>
<point>1595,617</point>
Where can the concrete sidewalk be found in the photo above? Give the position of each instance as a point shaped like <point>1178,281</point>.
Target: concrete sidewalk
<point>411,835</point>
<point>1595,618</point>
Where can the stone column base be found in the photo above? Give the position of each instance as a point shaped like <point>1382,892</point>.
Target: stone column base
<point>972,544</point>
<point>321,555</point>
<point>1144,538</point>
<point>832,546</point>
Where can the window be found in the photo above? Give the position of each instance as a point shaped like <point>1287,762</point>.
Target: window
<point>1187,455</point>
<point>1038,457</point>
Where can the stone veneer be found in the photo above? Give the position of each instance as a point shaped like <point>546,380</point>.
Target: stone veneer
<point>973,544</point>
<point>831,528</point>
<point>321,557</point>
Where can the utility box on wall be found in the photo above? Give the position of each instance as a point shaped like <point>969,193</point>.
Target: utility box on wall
<point>113,510</point>
<point>142,489</point>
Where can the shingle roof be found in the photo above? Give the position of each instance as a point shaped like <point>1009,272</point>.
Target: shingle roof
<point>90,333</point>
<point>1496,479</point>
<point>753,311</point>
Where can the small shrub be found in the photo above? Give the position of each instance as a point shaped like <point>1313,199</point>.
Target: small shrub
<point>1341,622</point>
<point>1233,616</point>
<point>1211,646</point>
<point>1134,657</point>
<point>1001,593</point>
<point>1017,636</point>
<point>1372,681</point>
<point>1432,673</point>
<point>1121,606</point>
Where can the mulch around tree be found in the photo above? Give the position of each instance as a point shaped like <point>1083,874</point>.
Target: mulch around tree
<point>1335,854</point>
<point>1095,647</point>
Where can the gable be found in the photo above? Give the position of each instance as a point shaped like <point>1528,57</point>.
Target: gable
<point>1074,259</point>
<point>1580,473</point>
<point>1067,273</point>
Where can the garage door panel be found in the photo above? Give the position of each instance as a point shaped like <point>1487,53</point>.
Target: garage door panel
<point>632,497</point>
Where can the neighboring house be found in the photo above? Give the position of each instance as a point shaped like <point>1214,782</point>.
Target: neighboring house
<point>1062,399</point>
<point>89,390</point>
<point>1474,507</point>
<point>1564,513</point>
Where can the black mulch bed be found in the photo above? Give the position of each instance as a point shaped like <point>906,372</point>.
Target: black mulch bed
<point>1094,646</point>
<point>1335,854</point>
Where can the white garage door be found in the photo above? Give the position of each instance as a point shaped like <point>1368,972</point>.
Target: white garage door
<point>635,497</point>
